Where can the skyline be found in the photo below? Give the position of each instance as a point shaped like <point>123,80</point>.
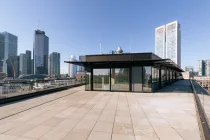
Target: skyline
<point>80,26</point>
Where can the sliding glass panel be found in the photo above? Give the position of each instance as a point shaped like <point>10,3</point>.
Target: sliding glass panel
<point>101,79</point>
<point>137,79</point>
<point>147,79</point>
<point>88,80</point>
<point>120,79</point>
<point>155,79</point>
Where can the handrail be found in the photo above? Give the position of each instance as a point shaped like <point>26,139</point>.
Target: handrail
<point>202,119</point>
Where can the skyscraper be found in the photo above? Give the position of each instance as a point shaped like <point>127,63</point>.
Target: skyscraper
<point>28,55</point>
<point>54,64</point>
<point>72,67</point>
<point>207,68</point>
<point>160,41</point>
<point>23,64</point>
<point>13,63</point>
<point>8,47</point>
<point>189,69</point>
<point>168,42</point>
<point>41,52</point>
<point>201,68</point>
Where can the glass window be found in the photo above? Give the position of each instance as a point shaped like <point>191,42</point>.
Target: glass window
<point>147,79</point>
<point>101,79</point>
<point>120,79</point>
<point>137,79</point>
<point>88,80</point>
<point>155,75</point>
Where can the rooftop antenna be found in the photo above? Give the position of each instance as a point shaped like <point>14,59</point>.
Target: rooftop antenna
<point>38,26</point>
<point>100,47</point>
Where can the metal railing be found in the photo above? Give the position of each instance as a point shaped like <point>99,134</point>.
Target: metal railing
<point>12,89</point>
<point>201,96</point>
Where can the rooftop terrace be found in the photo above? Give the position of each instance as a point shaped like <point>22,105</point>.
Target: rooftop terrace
<point>75,114</point>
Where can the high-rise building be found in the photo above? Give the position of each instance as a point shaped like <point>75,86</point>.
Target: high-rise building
<point>160,41</point>
<point>28,55</point>
<point>207,68</point>
<point>41,52</point>
<point>23,64</point>
<point>54,64</point>
<point>72,67</point>
<point>13,63</point>
<point>32,66</point>
<point>201,68</point>
<point>8,47</point>
<point>81,68</point>
<point>168,42</point>
<point>189,69</point>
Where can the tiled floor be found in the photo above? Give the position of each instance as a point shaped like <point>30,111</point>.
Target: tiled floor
<point>87,115</point>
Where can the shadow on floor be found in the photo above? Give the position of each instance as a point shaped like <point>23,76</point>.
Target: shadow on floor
<point>182,86</point>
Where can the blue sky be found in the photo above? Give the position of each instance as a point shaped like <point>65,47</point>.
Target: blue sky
<point>78,26</point>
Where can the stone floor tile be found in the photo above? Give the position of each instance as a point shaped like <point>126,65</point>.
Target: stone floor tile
<point>99,136</point>
<point>23,138</point>
<point>146,131</point>
<point>69,123</point>
<point>106,118</point>
<point>19,130</point>
<point>140,121</point>
<point>146,138</point>
<point>85,124</point>
<point>91,117</point>
<point>123,113</point>
<point>57,133</point>
<point>123,119</point>
<point>103,127</point>
<point>122,137</point>
<point>76,115</point>
<point>120,128</point>
<point>167,133</point>
<point>7,126</point>
<point>77,134</point>
<point>52,122</point>
<point>158,122</point>
<point>37,132</point>
<point>189,134</point>
<point>7,137</point>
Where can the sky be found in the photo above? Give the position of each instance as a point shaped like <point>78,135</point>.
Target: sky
<point>76,27</point>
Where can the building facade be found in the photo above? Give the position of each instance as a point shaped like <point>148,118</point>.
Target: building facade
<point>168,42</point>
<point>8,47</point>
<point>13,63</point>
<point>54,64</point>
<point>41,52</point>
<point>201,68</point>
<point>131,72</point>
<point>29,65</point>
<point>81,68</point>
<point>189,69</point>
<point>207,68</point>
<point>72,67</point>
<point>23,64</point>
<point>160,42</point>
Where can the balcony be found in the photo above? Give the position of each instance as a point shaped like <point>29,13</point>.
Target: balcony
<point>75,114</point>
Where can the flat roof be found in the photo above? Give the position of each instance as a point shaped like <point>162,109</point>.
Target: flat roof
<point>126,59</point>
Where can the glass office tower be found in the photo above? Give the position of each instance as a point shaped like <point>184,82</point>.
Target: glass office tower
<point>8,47</point>
<point>54,65</point>
<point>41,52</point>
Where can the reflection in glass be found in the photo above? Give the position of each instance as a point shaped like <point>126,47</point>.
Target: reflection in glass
<point>88,79</point>
<point>101,79</point>
<point>120,79</point>
<point>155,79</point>
<point>137,79</point>
<point>147,79</point>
